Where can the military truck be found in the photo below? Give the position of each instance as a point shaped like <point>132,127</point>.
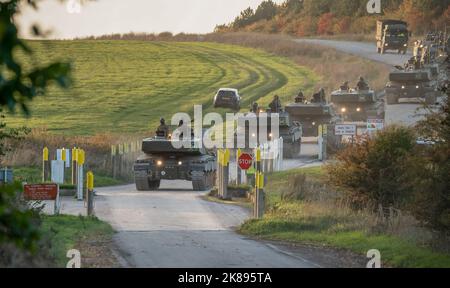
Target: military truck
<point>357,105</point>
<point>290,131</point>
<point>392,35</point>
<point>161,161</point>
<point>311,115</point>
<point>411,83</point>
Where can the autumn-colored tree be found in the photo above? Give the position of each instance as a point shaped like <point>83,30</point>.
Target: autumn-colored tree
<point>307,27</point>
<point>342,25</point>
<point>325,24</point>
<point>337,17</point>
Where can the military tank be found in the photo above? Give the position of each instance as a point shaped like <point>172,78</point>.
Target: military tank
<point>311,115</point>
<point>411,83</point>
<point>161,161</point>
<point>290,131</point>
<point>357,105</point>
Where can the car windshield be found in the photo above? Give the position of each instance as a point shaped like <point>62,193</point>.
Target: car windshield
<point>224,93</point>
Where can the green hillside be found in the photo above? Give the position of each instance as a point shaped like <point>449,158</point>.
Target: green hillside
<point>126,86</point>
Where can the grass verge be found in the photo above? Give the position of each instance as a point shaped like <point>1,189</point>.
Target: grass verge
<point>89,235</point>
<point>34,175</point>
<point>324,223</point>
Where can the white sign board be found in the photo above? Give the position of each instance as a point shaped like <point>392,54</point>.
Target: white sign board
<point>345,130</point>
<point>68,156</point>
<point>57,171</point>
<point>375,124</point>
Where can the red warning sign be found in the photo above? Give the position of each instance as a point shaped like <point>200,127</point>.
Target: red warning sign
<point>245,161</point>
<point>40,191</point>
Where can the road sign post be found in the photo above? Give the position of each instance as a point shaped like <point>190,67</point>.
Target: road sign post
<point>41,192</point>
<point>345,130</point>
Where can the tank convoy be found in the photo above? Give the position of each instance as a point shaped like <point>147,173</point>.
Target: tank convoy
<point>358,104</point>
<point>311,114</point>
<point>160,160</point>
<point>290,131</point>
<point>422,75</point>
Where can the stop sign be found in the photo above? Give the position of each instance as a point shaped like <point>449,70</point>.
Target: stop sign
<point>245,161</point>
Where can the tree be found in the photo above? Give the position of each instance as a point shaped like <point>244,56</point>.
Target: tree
<point>316,8</point>
<point>325,24</point>
<point>432,175</point>
<point>18,87</point>
<point>266,10</point>
<point>291,7</point>
<point>244,19</point>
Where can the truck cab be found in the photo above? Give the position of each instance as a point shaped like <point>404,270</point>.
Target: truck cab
<point>392,35</point>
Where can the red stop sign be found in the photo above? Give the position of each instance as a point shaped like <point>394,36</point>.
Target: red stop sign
<point>245,161</point>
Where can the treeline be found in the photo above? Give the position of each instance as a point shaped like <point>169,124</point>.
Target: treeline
<point>334,17</point>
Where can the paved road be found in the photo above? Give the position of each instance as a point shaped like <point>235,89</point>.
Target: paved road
<point>407,112</point>
<point>362,49</point>
<point>174,227</point>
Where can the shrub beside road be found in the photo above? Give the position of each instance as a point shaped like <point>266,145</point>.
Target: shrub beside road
<point>314,214</point>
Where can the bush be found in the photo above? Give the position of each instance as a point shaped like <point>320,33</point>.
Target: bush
<point>373,170</point>
<point>430,173</point>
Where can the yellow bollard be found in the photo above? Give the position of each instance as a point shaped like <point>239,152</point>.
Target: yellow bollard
<point>90,193</point>
<point>45,165</point>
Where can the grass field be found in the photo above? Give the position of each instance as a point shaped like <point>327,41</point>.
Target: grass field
<point>126,86</point>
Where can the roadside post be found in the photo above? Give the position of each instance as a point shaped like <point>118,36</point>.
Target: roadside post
<point>260,198</point>
<point>258,208</point>
<point>219,173</point>
<point>113,160</point>
<point>226,174</point>
<point>45,165</point>
<point>90,193</point>
<point>74,166</point>
<point>323,142</point>
<point>223,159</point>
<point>80,164</point>
<point>238,168</point>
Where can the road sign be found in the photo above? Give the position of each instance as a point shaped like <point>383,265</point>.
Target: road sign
<point>375,124</point>
<point>345,130</point>
<point>245,161</point>
<point>40,191</point>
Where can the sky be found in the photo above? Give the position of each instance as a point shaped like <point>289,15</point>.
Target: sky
<point>67,20</point>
